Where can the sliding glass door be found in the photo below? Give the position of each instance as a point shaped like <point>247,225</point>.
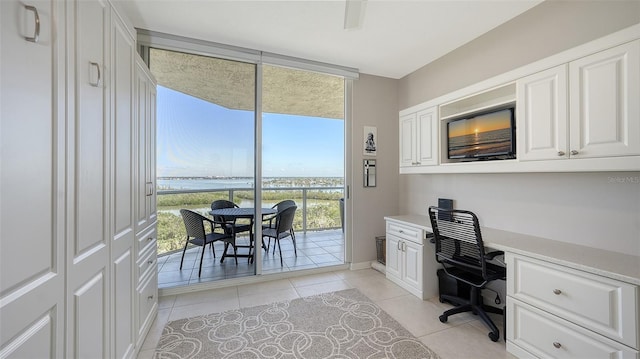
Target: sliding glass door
<point>219,122</point>
<point>205,152</point>
<point>303,161</point>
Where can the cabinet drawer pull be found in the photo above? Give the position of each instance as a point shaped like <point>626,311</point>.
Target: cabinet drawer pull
<point>150,261</point>
<point>574,152</point>
<point>557,345</point>
<point>401,231</point>
<point>557,291</point>
<point>150,297</point>
<point>36,31</point>
<point>561,153</point>
<point>149,239</point>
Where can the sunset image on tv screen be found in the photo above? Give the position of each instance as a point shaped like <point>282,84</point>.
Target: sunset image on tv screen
<point>483,135</point>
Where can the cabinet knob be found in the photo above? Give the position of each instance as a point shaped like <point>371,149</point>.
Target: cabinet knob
<point>150,297</point>
<point>149,239</point>
<point>574,152</point>
<point>561,153</point>
<point>150,261</point>
<point>557,291</point>
<point>557,345</point>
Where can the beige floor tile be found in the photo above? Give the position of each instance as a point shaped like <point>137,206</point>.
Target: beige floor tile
<point>420,317</point>
<point>265,287</point>
<point>208,296</point>
<point>465,341</point>
<point>151,341</point>
<point>146,354</point>
<point>166,301</point>
<point>377,287</point>
<point>314,279</point>
<point>346,273</point>
<point>325,287</point>
<point>266,298</point>
<point>193,310</point>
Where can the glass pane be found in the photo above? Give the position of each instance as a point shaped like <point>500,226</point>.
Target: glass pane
<point>205,152</point>
<point>303,161</point>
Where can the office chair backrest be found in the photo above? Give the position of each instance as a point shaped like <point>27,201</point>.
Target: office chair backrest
<point>458,239</point>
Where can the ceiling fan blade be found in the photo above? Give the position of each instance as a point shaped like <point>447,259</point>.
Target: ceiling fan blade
<point>354,13</point>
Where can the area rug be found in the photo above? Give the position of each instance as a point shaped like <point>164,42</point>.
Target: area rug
<point>344,324</point>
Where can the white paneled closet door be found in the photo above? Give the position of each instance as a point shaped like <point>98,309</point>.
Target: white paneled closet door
<point>88,192</point>
<point>122,50</point>
<point>31,179</point>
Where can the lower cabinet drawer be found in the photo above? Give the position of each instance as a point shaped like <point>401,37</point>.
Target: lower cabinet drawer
<point>405,232</point>
<point>547,336</point>
<point>606,306</point>
<point>147,301</point>
<point>147,261</point>
<point>146,239</point>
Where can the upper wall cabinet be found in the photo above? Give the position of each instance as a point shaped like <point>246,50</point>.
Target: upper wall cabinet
<point>576,111</point>
<point>604,98</point>
<point>419,138</point>
<point>542,116</point>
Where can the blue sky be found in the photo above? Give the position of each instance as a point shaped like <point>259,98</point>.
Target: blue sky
<point>198,138</point>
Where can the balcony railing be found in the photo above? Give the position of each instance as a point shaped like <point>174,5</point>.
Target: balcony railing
<point>319,208</point>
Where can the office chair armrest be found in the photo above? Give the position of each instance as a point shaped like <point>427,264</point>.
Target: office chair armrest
<point>493,254</point>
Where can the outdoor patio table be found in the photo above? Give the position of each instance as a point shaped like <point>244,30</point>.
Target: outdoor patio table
<point>241,212</point>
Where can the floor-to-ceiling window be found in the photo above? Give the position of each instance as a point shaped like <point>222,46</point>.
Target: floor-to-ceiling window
<point>223,122</point>
<point>303,160</point>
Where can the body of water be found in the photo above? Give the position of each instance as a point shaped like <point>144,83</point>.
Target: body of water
<point>488,143</point>
<point>204,183</point>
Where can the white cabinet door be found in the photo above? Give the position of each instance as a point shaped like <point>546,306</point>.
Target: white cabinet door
<point>145,203</point>
<point>419,138</point>
<point>427,140</point>
<point>145,124</point>
<point>542,117</point>
<point>408,136</point>
<point>412,265</point>
<point>123,151</point>
<point>394,260</point>
<point>88,244</point>
<point>32,213</point>
<point>604,106</point>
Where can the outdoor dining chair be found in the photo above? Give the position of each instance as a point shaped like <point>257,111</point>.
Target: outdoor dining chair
<point>196,235</point>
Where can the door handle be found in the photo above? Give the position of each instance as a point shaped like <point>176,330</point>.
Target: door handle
<point>36,31</point>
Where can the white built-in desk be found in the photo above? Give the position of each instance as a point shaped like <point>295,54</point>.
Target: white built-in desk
<point>563,300</point>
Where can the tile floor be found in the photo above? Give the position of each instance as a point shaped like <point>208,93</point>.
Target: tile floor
<point>315,249</point>
<point>464,336</point>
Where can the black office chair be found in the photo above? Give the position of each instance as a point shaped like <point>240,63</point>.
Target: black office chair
<point>460,250</point>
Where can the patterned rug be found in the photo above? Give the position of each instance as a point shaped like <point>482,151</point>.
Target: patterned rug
<point>344,324</point>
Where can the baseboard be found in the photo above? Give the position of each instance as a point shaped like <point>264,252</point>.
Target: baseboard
<point>360,265</point>
<point>379,267</point>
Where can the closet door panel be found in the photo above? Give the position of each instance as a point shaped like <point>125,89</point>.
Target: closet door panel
<point>31,213</point>
<point>88,191</point>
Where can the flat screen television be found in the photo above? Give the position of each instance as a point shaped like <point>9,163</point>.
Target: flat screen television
<point>484,135</point>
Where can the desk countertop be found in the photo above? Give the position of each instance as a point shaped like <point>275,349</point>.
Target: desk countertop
<point>615,265</point>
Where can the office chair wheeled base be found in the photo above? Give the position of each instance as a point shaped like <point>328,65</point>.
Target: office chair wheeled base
<point>474,305</point>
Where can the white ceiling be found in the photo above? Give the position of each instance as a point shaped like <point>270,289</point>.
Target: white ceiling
<point>395,38</point>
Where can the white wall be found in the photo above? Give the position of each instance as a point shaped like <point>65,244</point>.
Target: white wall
<point>375,103</point>
<point>599,210</point>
